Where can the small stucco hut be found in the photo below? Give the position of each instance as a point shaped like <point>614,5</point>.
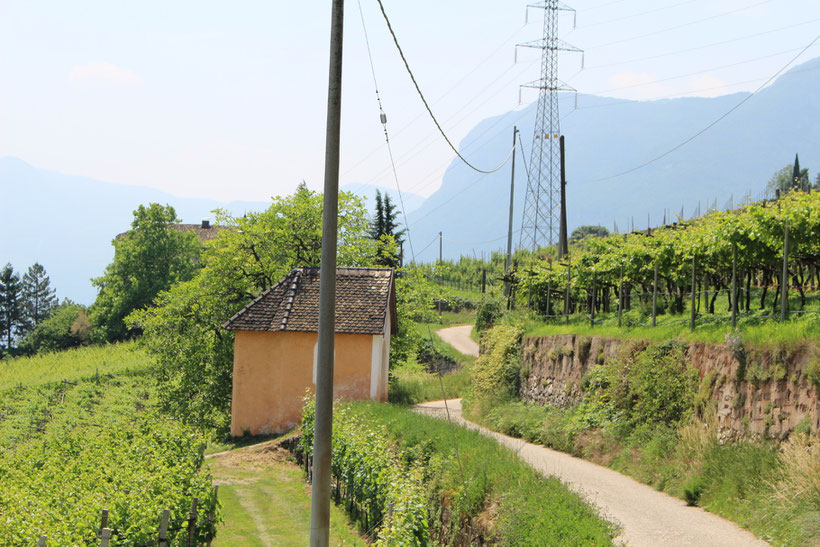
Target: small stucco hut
<point>275,346</point>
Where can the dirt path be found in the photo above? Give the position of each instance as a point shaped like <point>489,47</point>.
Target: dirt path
<point>459,338</point>
<point>646,516</point>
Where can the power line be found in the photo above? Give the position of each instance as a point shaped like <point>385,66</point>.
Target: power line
<point>682,25</point>
<point>608,21</point>
<point>715,122</point>
<point>427,106</point>
<point>705,46</point>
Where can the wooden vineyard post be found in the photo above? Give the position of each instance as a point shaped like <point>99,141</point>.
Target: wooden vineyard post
<point>655,295</point>
<point>105,535</point>
<point>592,303</point>
<point>103,521</point>
<point>192,523</point>
<point>734,285</point>
<point>162,538</point>
<point>621,296</point>
<point>784,280</point>
<point>692,316</point>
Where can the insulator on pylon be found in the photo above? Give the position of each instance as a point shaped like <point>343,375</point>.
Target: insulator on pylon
<point>383,118</point>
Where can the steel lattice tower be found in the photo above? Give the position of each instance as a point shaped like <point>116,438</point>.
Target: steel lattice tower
<point>542,207</point>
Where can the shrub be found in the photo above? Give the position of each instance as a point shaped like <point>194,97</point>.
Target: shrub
<point>813,371</point>
<point>496,373</point>
<point>583,348</point>
<point>488,313</point>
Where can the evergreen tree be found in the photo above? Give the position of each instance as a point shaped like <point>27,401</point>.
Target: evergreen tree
<point>38,297</point>
<point>378,220</point>
<point>10,307</point>
<point>385,230</point>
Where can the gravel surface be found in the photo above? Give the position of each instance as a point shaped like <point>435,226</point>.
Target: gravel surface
<point>459,338</point>
<point>646,516</point>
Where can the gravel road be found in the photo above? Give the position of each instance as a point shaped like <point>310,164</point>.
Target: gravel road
<point>647,517</point>
<point>459,338</point>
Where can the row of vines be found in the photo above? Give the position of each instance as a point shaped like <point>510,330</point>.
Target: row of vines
<point>397,475</point>
<point>601,267</point>
<point>69,450</point>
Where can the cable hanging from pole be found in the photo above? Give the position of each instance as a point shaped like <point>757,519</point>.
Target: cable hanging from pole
<point>427,106</point>
<point>714,123</point>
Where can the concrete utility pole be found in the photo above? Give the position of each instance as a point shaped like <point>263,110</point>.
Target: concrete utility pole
<point>563,244</point>
<point>440,264</point>
<point>323,428</point>
<point>508,261</point>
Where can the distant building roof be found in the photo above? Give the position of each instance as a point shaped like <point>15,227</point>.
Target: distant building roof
<point>363,297</point>
<point>204,231</point>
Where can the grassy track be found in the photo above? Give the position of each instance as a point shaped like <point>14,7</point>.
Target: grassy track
<point>72,364</point>
<point>265,500</point>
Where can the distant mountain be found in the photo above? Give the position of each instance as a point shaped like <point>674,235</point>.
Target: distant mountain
<point>368,191</point>
<point>67,222</point>
<point>607,136</point>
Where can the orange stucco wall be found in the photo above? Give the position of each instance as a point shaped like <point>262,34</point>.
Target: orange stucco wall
<point>271,371</point>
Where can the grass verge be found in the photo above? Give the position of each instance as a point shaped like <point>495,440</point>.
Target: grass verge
<point>265,500</point>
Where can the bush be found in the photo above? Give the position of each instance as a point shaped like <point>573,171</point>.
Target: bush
<point>813,371</point>
<point>496,373</point>
<point>66,327</point>
<point>489,312</point>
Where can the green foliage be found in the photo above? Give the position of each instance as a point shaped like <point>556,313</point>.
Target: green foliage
<point>71,365</point>
<point>498,485</point>
<point>785,179</point>
<point>38,297</point>
<point>813,370</point>
<point>69,450</point>
<point>184,329</point>
<point>11,309</point>
<point>489,312</point>
<point>382,493</point>
<point>149,259</point>
<point>409,387</point>
<point>582,232</point>
<point>385,231</point>
<point>67,327</point>
<point>496,372</point>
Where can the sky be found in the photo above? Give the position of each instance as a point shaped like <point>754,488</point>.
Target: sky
<point>228,100</point>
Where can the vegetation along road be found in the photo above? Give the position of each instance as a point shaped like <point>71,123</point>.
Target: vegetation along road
<point>646,516</point>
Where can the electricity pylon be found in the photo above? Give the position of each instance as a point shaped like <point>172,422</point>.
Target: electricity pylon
<point>542,207</point>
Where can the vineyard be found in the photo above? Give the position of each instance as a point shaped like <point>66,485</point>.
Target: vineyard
<point>396,474</point>
<point>70,449</point>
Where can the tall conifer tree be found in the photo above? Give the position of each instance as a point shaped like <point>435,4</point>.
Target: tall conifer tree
<point>10,306</point>
<point>39,298</point>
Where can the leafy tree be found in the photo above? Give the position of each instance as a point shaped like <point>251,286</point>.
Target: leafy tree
<point>66,327</point>
<point>149,259</point>
<point>38,297</point>
<point>583,232</point>
<point>786,179</point>
<point>11,307</point>
<point>184,331</point>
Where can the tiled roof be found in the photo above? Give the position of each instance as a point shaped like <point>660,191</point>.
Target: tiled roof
<point>363,296</point>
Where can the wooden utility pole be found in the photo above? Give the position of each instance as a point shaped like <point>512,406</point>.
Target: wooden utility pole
<point>323,421</point>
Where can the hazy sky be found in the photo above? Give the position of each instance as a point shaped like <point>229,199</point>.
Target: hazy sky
<point>227,100</point>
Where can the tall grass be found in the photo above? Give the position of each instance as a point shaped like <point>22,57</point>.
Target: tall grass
<point>410,387</point>
<point>72,364</point>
